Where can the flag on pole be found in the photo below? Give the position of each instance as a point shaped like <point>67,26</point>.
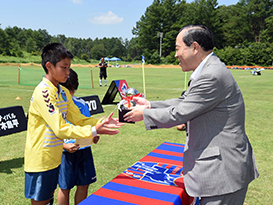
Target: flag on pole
<point>143,75</point>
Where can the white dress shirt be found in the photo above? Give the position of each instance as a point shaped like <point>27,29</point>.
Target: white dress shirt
<point>197,71</point>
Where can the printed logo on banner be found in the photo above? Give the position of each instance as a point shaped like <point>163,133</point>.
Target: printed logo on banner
<point>93,103</point>
<point>12,120</point>
<point>8,121</point>
<point>159,173</point>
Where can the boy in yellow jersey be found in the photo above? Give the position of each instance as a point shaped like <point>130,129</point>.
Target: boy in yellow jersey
<point>51,106</point>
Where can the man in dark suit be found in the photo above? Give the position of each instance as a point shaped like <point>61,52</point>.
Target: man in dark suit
<point>218,162</point>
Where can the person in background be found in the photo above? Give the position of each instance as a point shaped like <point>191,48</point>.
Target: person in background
<point>218,162</point>
<point>103,72</point>
<point>77,166</point>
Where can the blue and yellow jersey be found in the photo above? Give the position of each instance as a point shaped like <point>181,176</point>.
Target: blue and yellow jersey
<point>83,107</point>
<point>50,108</point>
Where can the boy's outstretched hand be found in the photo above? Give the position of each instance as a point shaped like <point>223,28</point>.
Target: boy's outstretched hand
<point>107,125</point>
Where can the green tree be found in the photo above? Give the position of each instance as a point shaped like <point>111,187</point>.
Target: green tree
<point>45,38</point>
<point>155,58</point>
<point>230,55</point>
<point>74,45</point>
<point>147,28</point>
<point>85,57</point>
<point>235,27</point>
<point>97,51</point>
<point>61,38</point>
<point>31,45</point>
<point>172,11</point>
<point>171,58</point>
<point>205,12</point>
<point>15,50</point>
<point>257,12</point>
<point>87,45</point>
<point>259,54</point>
<point>134,51</point>
<point>4,43</point>
<point>13,40</point>
<point>114,47</point>
<point>267,33</point>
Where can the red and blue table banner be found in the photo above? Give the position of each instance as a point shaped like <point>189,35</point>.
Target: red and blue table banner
<point>157,178</point>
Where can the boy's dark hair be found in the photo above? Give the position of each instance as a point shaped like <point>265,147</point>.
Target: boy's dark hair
<point>54,53</point>
<point>200,34</point>
<point>72,82</point>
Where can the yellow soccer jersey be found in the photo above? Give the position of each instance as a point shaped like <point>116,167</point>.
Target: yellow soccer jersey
<point>47,126</point>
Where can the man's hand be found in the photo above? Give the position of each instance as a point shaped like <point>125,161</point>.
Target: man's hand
<point>142,101</point>
<point>105,127</point>
<point>70,147</point>
<point>135,115</point>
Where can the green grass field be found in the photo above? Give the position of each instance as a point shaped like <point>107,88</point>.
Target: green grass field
<point>113,154</point>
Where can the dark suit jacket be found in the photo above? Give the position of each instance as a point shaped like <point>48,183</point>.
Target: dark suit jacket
<point>218,158</point>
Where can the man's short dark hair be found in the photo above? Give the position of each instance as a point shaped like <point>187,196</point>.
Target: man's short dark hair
<point>72,82</point>
<point>54,53</point>
<point>200,34</point>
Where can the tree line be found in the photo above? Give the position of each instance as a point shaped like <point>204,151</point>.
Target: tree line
<point>243,34</point>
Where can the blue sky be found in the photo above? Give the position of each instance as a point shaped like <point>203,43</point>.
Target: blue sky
<point>78,18</point>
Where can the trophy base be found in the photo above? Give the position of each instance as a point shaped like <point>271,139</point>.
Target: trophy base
<point>121,118</point>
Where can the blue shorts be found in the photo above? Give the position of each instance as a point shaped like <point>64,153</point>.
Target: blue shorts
<point>77,169</point>
<point>40,185</point>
